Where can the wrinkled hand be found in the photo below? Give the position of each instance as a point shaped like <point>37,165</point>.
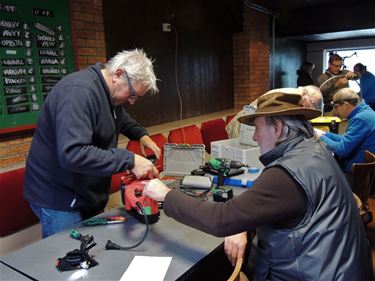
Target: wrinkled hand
<point>146,141</point>
<point>143,168</point>
<point>234,246</point>
<point>340,83</point>
<point>318,132</point>
<point>156,190</point>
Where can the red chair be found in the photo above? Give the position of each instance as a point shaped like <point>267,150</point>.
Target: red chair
<point>190,135</point>
<point>213,130</point>
<point>159,139</point>
<point>229,118</point>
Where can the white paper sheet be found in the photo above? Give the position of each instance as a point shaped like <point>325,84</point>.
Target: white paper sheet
<point>144,268</point>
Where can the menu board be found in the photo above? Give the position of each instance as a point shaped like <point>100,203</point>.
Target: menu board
<point>35,53</point>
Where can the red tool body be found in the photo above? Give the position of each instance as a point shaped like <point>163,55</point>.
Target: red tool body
<point>133,199</point>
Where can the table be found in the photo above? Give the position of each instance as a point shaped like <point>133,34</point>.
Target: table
<point>7,273</point>
<point>187,247</point>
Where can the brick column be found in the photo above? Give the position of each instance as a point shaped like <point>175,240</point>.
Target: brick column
<point>87,32</point>
<point>251,55</point>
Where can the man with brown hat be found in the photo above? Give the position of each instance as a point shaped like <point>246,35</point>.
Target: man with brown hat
<point>301,206</point>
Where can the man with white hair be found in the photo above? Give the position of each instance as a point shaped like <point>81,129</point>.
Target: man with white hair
<point>301,206</point>
<point>74,149</point>
<point>311,98</point>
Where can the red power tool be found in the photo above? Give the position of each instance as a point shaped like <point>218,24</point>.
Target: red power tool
<point>140,206</point>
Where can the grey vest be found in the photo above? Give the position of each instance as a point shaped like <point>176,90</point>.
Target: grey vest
<point>330,242</point>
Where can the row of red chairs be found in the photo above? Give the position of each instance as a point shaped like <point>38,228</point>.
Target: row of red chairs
<point>210,131</point>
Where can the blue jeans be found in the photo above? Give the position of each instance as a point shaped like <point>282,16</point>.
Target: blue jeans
<point>54,221</point>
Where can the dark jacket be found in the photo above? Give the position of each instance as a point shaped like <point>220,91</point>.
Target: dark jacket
<point>318,247</point>
<point>304,78</point>
<point>74,149</point>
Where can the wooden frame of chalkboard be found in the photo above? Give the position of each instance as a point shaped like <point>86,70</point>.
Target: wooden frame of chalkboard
<point>35,53</point>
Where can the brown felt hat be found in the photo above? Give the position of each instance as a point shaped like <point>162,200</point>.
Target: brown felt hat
<point>280,102</point>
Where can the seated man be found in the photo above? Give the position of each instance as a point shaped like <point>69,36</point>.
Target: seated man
<point>302,231</point>
<point>311,98</point>
<point>360,133</point>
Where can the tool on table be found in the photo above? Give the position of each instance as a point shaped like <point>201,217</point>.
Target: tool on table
<point>223,166</point>
<point>105,220</point>
<point>78,258</point>
<point>141,207</point>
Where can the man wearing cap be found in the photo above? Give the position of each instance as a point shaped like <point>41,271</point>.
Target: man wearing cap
<point>303,232</point>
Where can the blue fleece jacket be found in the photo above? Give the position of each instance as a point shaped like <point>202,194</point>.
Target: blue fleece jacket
<point>359,136</point>
<point>367,81</point>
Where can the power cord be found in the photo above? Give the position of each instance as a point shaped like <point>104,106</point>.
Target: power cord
<point>112,246</point>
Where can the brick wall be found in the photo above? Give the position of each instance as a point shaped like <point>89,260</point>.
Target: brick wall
<point>87,32</point>
<point>251,57</point>
<point>88,48</point>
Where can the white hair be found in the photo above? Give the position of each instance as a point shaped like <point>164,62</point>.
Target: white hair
<point>138,67</point>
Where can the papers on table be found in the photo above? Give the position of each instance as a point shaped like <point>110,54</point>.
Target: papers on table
<point>144,268</point>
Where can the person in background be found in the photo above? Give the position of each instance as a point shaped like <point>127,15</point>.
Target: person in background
<point>304,74</point>
<point>329,84</point>
<point>360,133</point>
<point>302,231</point>
<point>74,149</point>
<point>367,84</point>
<point>311,98</point>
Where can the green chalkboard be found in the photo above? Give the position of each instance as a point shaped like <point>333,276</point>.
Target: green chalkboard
<point>35,52</point>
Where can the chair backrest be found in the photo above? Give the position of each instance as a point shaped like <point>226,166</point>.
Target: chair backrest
<point>229,118</point>
<point>364,176</point>
<point>213,130</point>
<point>189,134</point>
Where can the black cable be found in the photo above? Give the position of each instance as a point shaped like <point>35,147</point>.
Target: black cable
<point>112,246</point>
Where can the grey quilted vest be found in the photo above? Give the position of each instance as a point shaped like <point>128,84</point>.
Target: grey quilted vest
<point>330,242</point>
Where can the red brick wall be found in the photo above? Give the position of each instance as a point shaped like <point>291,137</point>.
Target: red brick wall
<point>88,48</point>
<point>251,55</point>
<point>87,32</point>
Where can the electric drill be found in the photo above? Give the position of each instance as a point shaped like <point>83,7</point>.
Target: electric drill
<point>223,166</point>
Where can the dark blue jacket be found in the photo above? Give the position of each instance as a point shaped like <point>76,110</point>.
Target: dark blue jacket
<point>367,81</point>
<point>74,149</point>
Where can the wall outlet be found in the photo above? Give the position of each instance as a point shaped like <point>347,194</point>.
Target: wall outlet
<point>166,27</point>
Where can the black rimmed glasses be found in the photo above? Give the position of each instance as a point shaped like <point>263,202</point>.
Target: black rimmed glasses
<point>337,103</point>
<point>133,93</point>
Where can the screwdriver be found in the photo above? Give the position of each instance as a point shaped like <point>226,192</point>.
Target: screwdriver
<point>103,221</point>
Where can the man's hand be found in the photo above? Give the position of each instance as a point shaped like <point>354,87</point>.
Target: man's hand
<point>143,168</point>
<point>318,132</point>
<point>351,75</point>
<point>234,246</point>
<point>156,190</point>
<point>146,141</point>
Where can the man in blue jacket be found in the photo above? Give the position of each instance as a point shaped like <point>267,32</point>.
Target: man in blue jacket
<point>74,150</point>
<point>360,133</point>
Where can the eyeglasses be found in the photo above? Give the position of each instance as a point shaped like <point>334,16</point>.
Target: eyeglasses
<point>336,104</point>
<point>133,93</point>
